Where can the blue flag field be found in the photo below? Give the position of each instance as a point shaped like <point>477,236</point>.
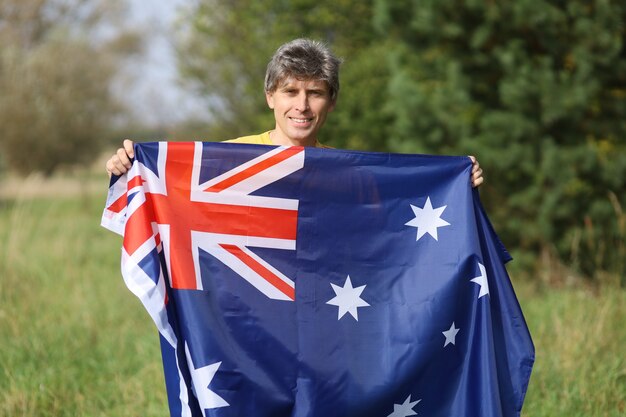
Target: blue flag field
<point>302,282</point>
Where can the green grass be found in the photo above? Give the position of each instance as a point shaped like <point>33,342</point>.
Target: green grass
<point>76,342</point>
<point>580,343</point>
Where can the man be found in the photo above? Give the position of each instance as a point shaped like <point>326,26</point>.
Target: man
<point>301,87</point>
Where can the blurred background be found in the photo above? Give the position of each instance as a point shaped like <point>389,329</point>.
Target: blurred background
<point>535,89</point>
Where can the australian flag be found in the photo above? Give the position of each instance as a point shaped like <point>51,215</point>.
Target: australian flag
<point>305,282</point>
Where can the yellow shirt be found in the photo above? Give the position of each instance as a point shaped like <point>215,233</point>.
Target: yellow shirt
<point>264,139</point>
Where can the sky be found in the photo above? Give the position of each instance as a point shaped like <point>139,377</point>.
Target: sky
<point>149,84</point>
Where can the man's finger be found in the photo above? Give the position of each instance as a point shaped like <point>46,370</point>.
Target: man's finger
<point>111,168</point>
<point>477,178</point>
<point>128,147</point>
<point>121,158</point>
<point>475,166</point>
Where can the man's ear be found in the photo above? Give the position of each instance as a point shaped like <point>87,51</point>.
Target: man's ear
<point>269,97</point>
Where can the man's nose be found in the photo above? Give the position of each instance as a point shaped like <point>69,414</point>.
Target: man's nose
<point>302,102</point>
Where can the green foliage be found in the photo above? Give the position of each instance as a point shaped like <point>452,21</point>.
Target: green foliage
<point>535,89</point>
<point>575,355</point>
<point>75,341</point>
<point>56,103</point>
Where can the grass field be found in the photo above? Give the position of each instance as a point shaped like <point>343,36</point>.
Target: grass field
<point>75,341</point>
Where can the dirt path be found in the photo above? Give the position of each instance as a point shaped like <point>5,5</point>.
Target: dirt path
<point>36,186</point>
<point>91,180</point>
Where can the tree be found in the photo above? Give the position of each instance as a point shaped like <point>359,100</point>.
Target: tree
<point>55,75</point>
<point>535,88</point>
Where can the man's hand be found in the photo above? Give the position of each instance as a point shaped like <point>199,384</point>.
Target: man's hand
<point>477,173</point>
<point>120,162</point>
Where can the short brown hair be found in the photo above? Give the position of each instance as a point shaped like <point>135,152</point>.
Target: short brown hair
<point>303,59</point>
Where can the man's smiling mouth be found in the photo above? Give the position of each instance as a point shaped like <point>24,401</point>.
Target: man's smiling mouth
<point>300,120</point>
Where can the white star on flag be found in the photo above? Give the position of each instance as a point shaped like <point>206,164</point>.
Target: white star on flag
<point>201,378</point>
<point>450,335</point>
<point>427,219</point>
<point>405,409</point>
<point>482,281</point>
<point>348,299</point>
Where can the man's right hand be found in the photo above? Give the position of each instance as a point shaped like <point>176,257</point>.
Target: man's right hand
<point>120,162</point>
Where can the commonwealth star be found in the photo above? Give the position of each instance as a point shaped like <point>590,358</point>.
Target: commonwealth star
<point>427,219</point>
<point>348,299</point>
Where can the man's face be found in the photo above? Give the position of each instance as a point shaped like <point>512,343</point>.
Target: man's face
<point>300,109</point>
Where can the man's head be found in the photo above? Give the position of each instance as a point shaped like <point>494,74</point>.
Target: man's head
<point>301,86</point>
<point>303,60</point>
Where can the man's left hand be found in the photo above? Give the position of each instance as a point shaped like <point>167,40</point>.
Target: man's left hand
<point>477,173</point>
